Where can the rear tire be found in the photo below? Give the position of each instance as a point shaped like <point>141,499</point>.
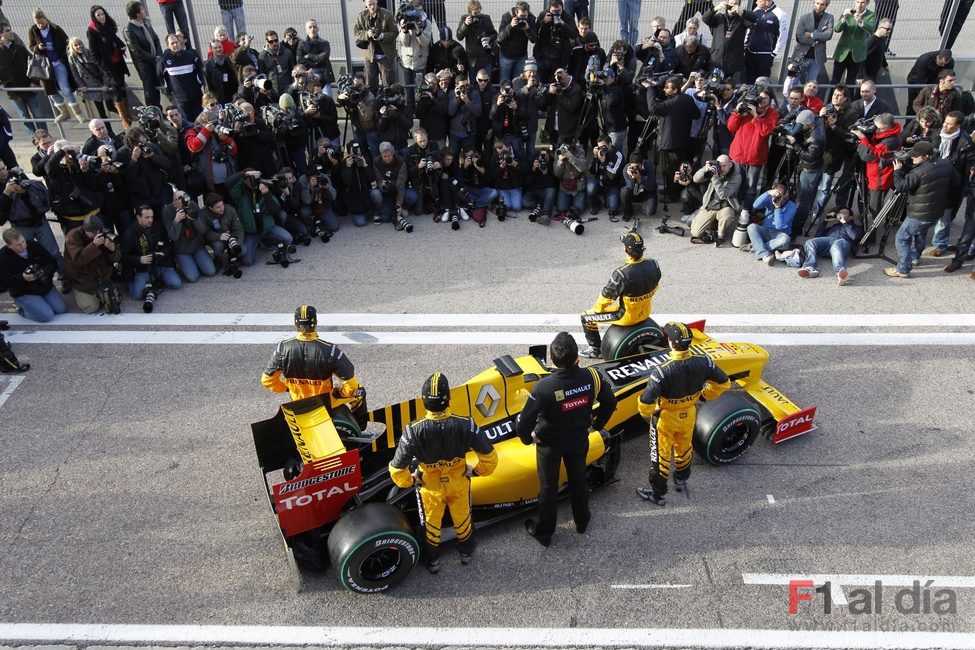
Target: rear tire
<point>345,423</point>
<point>725,428</point>
<point>373,548</point>
<point>626,340</point>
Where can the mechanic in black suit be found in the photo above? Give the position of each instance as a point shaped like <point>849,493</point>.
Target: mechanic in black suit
<point>869,105</point>
<point>561,405</point>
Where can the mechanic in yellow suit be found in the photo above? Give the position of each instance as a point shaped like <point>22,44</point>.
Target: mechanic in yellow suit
<point>439,443</point>
<point>305,365</point>
<point>669,404</point>
<point>626,299</point>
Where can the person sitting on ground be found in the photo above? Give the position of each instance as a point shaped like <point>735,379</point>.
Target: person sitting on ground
<point>775,233</point>
<point>838,235</point>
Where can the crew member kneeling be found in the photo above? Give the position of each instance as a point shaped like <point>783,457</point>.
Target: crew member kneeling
<point>626,299</point>
<point>304,366</point>
<point>669,404</point>
<point>439,443</point>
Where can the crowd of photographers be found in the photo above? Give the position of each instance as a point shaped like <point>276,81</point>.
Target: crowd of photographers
<point>249,152</point>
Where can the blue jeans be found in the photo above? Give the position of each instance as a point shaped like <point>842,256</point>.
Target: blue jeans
<point>62,76</point>
<point>752,182</point>
<point>276,235</point>
<point>808,185</point>
<point>765,240</point>
<point>372,140</point>
<point>458,141</point>
<point>822,195</point>
<point>544,197</point>
<point>838,249</point>
<point>512,198</point>
<point>630,20</point>
<point>611,195</point>
<point>577,201</point>
<point>942,228</point>
<point>329,220</point>
<point>511,68</point>
<point>199,263</point>
<point>41,309</point>
<point>31,108</point>
<point>177,11</point>
<point>574,9</point>
<point>482,197</point>
<point>170,278</point>
<point>910,242</point>
<point>964,243</point>
<point>249,245</point>
<point>233,20</point>
<point>812,72</point>
<point>387,203</point>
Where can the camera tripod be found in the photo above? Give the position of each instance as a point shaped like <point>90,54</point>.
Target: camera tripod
<point>587,114</point>
<point>893,212</point>
<point>710,122</point>
<point>789,161</point>
<point>857,180</point>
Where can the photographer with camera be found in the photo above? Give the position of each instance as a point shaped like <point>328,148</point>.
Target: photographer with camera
<point>290,133</point>
<point>447,55</point>
<point>476,31</point>
<point>116,210</point>
<point>507,178</point>
<point>360,105</point>
<point>925,126</point>
<point>287,191</point>
<point>432,108</point>
<point>413,46</point>
<point>541,188</point>
<point>675,113</point>
<point>641,187</point>
<point>813,31</point>
<point>182,71</point>
<point>320,114</point>
<point>605,177</point>
<point>586,59</point>
<point>27,272</point>
<point>570,168</point>
<point>692,57</point>
<point>956,146</point>
<point>187,232</point>
<point>73,185</point>
<point>219,74</point>
<point>224,234</point>
<point>929,184</point>
<point>144,167</point>
<point>854,25</point>
<point>258,209</point>
<point>148,263</point>
<point>838,236</point>
<point>729,24</point>
<point>876,146</point>
<point>474,175</point>
<point>775,231</point>
<point>24,204</point>
<point>508,120</point>
<point>317,196</point>
<point>556,35</point>
<point>276,61</point>
<point>256,89</point>
<point>530,95</point>
<point>423,171</point>
<point>752,123</point>
<point>463,107</point>
<point>90,256</point>
<point>255,142</point>
<point>244,56</point>
<point>361,196</point>
<point>375,33</point>
<point>517,31</point>
<point>720,205</point>
<point>563,101</point>
<point>389,170</point>
<point>101,135</point>
<point>613,107</point>
<point>809,141</point>
<point>395,118</point>
<point>215,151</point>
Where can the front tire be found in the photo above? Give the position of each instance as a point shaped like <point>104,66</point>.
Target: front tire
<point>725,428</point>
<point>373,548</point>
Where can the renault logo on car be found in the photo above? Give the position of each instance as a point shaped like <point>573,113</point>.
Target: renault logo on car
<point>487,400</point>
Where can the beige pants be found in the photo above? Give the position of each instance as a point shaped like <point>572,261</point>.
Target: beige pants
<point>88,303</point>
<point>705,220</point>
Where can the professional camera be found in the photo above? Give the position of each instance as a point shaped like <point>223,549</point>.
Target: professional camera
<point>273,184</point>
<point>749,100</point>
<point>653,80</point>
<point>149,298</point>
<point>107,234</point>
<point>797,66</point>
<point>665,229</point>
<point>282,256</point>
<point>221,156</point>
<point>544,157</point>
<point>684,174</point>
<point>149,118</point>
<point>412,17</point>
<point>830,111</point>
<point>740,237</point>
<point>502,209</point>
<point>564,149</point>
<point>865,125</point>
<point>507,158</point>
<point>110,298</point>
<point>572,222</point>
<point>346,86</point>
<point>18,176</point>
<point>401,223</point>
<point>37,272</point>
<point>902,155</point>
<point>143,147</point>
<point>281,122</point>
<point>520,21</point>
<point>77,158</point>
<point>710,169</point>
<point>475,20</point>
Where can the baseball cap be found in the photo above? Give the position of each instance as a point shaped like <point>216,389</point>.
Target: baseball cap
<point>678,334</point>
<point>922,149</point>
<point>386,147</point>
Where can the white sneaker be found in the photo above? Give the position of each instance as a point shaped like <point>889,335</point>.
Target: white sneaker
<point>842,276</point>
<point>464,215</point>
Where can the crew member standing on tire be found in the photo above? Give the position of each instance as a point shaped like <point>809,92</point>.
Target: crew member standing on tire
<point>564,402</point>
<point>626,299</point>
<point>669,404</point>
<point>439,444</point>
<point>305,365</point>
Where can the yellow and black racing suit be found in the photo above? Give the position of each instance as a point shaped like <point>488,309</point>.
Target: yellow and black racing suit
<point>304,366</point>
<point>625,300</point>
<point>439,443</point>
<point>669,405</point>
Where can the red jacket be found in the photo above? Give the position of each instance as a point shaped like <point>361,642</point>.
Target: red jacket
<point>813,103</point>
<point>750,143</point>
<point>880,170</point>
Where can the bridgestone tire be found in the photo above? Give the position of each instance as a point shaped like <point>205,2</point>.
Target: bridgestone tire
<point>345,423</point>
<point>624,341</point>
<point>725,428</point>
<point>373,548</point>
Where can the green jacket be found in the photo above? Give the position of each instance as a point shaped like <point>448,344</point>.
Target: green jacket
<point>853,37</point>
<point>244,199</point>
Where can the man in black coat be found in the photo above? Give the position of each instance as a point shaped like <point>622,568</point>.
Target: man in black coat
<point>925,71</point>
<point>564,101</point>
<point>729,23</point>
<point>675,113</point>
<point>144,48</point>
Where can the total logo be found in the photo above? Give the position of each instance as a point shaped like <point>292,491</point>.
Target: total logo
<point>302,500</point>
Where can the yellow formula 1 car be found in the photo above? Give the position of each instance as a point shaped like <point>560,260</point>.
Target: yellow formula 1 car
<point>339,505</point>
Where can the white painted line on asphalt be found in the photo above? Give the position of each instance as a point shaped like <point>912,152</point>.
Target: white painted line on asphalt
<point>771,499</point>
<point>475,637</point>
<point>651,586</point>
<point>355,320</point>
<point>839,580</point>
<point>235,337</point>
<point>12,383</point>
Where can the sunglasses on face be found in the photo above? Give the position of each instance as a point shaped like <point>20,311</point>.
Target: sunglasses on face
<point>273,40</point>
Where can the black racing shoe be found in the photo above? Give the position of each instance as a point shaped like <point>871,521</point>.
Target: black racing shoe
<point>649,494</point>
<point>581,528</point>
<point>433,566</point>
<point>680,485</point>
<point>466,559</point>
<point>530,529</point>
<point>590,352</point>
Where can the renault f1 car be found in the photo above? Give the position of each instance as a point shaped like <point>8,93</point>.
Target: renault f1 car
<point>342,508</point>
